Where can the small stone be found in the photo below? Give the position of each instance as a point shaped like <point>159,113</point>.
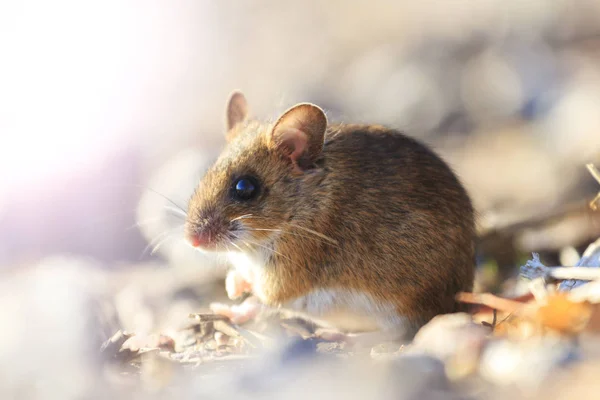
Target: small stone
<point>454,339</point>
<point>444,335</point>
<point>221,338</point>
<point>166,343</point>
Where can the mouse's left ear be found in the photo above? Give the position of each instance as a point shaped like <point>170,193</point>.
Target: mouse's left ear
<point>236,112</point>
<point>299,133</point>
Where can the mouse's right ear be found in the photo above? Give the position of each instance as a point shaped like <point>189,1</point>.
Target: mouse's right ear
<point>236,112</point>
<point>299,133</point>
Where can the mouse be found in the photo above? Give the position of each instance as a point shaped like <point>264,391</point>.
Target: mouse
<point>359,226</point>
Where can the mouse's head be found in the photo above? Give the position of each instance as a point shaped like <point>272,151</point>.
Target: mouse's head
<point>253,188</point>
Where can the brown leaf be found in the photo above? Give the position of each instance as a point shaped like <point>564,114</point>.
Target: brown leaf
<point>564,315</point>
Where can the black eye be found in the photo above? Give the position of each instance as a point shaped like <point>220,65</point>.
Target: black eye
<point>245,188</point>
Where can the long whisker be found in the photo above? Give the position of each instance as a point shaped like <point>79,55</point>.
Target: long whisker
<point>164,197</point>
<point>260,245</point>
<point>241,217</point>
<point>145,222</point>
<point>236,246</point>
<point>272,250</point>
<point>319,234</point>
<point>154,219</point>
<point>155,248</point>
<point>322,236</point>
<point>226,246</point>
<point>159,239</point>
<point>176,211</point>
<point>148,221</point>
<point>267,248</point>
<point>290,233</point>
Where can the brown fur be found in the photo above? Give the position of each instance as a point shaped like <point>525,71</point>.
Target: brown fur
<point>402,222</point>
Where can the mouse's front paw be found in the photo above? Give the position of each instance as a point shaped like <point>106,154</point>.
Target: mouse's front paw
<point>236,285</point>
<point>239,313</point>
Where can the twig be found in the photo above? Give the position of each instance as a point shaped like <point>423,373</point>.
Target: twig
<point>594,171</point>
<point>223,324</point>
<point>596,174</point>
<point>594,203</point>
<point>564,273</point>
<point>491,301</point>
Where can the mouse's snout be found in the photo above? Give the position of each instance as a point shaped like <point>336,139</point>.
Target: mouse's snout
<point>197,239</point>
<point>200,237</point>
<point>205,233</point>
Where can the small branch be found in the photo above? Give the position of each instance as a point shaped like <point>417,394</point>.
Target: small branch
<point>491,301</point>
<point>594,203</point>
<point>578,273</point>
<point>564,273</point>
<point>596,174</point>
<point>594,171</point>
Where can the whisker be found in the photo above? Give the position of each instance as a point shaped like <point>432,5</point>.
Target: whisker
<point>236,246</point>
<point>325,237</point>
<point>148,221</point>
<point>159,238</point>
<point>226,246</point>
<point>145,222</point>
<point>241,217</point>
<point>176,211</point>
<point>269,249</point>
<point>164,197</point>
<point>146,187</point>
<point>260,245</point>
<point>155,248</point>
<point>291,233</point>
<point>319,234</point>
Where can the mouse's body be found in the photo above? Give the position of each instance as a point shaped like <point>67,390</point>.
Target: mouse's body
<point>359,225</point>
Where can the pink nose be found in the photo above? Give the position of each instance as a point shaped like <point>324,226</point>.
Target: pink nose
<point>198,239</point>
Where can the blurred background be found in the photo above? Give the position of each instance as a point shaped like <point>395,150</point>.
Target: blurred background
<point>111,110</point>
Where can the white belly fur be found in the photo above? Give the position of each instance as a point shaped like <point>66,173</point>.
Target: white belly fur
<point>344,309</point>
<point>349,310</point>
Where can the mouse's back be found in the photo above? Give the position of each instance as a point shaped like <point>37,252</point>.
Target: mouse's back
<point>403,221</point>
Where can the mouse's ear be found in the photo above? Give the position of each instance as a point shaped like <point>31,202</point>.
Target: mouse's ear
<point>236,112</point>
<point>299,133</point>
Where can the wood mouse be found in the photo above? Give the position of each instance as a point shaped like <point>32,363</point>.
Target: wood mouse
<point>357,225</point>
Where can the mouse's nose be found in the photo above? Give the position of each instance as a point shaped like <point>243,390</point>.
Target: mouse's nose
<point>202,232</point>
<point>198,239</point>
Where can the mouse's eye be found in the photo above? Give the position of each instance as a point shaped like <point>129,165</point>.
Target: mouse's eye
<point>245,188</point>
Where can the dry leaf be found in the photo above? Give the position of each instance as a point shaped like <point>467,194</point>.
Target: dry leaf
<point>564,315</point>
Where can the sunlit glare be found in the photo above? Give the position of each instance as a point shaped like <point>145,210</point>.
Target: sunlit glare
<point>67,93</point>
